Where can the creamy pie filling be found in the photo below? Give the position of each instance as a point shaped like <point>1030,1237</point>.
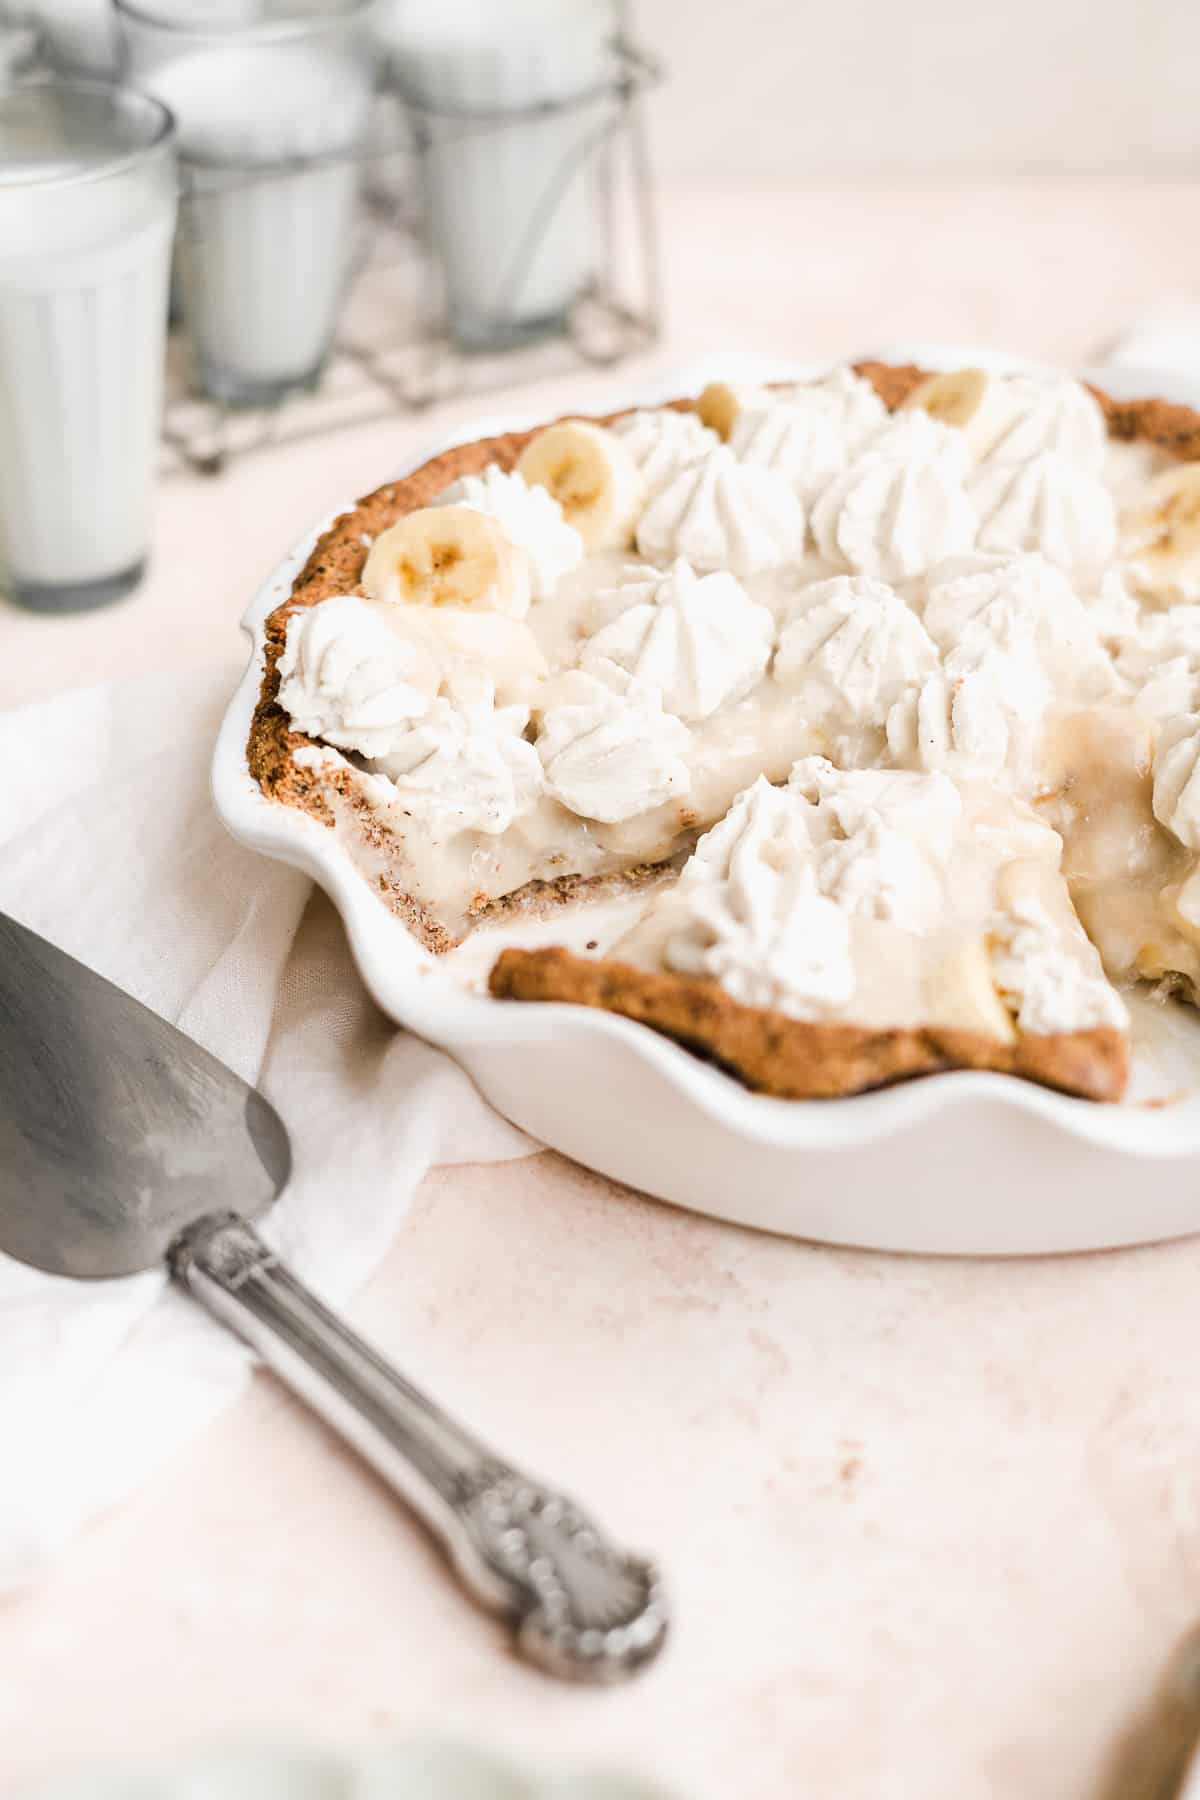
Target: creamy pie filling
<point>941,915</point>
<point>887,692</point>
<point>456,871</point>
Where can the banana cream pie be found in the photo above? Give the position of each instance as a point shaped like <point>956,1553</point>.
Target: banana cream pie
<point>858,721</point>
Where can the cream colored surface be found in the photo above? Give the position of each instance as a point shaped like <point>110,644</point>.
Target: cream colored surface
<point>931,1527</point>
<point>847,92</point>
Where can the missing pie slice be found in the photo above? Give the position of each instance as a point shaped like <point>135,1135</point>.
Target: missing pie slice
<point>876,700</point>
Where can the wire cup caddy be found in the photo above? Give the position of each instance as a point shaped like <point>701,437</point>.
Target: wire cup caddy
<point>393,349</point>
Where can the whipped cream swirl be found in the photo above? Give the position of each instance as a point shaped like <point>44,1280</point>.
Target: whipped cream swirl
<point>807,445</point>
<point>1113,609</point>
<point>766,904</point>
<point>346,677</point>
<point>723,514</point>
<point>978,723</point>
<point>1048,504</point>
<point>1048,974</point>
<point>465,767</point>
<point>610,755</point>
<point>663,441</point>
<point>914,435</point>
<point>901,505</point>
<point>849,649</point>
<point>925,807</point>
<point>884,839</point>
<point>846,398</point>
<point>531,518</point>
<point>699,639</point>
<point>1160,659</point>
<point>1048,413</point>
<point>1177,779</point>
<point>1024,607</point>
<point>751,916</point>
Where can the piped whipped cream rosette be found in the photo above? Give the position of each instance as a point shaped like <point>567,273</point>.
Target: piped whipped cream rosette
<point>346,678</point>
<point>1048,504</point>
<point>849,650</point>
<point>1050,413</point>
<point>848,397</point>
<point>901,505</point>
<point>913,436</point>
<point>1013,418</point>
<point>386,696</point>
<point>611,755</point>
<point>981,721</point>
<point>662,442</point>
<point>1160,661</point>
<point>884,837</point>
<point>465,766</point>
<point>806,445</point>
<point>722,514</point>
<point>841,396</point>
<point>698,639</point>
<point>1024,607</point>
<point>748,912</point>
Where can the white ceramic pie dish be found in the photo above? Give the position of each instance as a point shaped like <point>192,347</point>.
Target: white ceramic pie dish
<point>962,1163</point>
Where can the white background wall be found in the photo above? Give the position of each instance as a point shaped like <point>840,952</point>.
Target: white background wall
<point>825,90</point>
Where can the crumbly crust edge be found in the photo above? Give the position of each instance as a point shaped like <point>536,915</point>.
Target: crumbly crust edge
<point>796,1059</point>
<point>771,1052</point>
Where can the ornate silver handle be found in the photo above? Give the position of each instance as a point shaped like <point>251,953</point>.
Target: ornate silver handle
<point>581,1609</point>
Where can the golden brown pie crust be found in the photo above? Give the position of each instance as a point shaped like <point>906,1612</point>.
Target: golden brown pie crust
<point>796,1059</point>
<point>769,1051</point>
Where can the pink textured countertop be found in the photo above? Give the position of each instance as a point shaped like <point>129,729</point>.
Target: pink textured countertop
<point>931,1527</point>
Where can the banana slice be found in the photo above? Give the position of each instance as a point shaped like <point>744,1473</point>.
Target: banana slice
<point>1160,535</point>
<point>448,556</point>
<point>959,993</point>
<point>970,399</point>
<point>593,477</point>
<point>721,402</point>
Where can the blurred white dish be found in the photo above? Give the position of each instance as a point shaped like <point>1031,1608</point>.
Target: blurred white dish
<point>963,1163</point>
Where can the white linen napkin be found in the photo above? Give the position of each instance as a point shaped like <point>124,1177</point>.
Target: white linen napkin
<point>110,848</point>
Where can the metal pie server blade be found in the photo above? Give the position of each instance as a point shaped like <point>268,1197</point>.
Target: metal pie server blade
<point>116,1130</point>
<point>123,1145</point>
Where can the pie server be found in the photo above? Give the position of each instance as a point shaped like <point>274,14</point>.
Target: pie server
<point>123,1144</point>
